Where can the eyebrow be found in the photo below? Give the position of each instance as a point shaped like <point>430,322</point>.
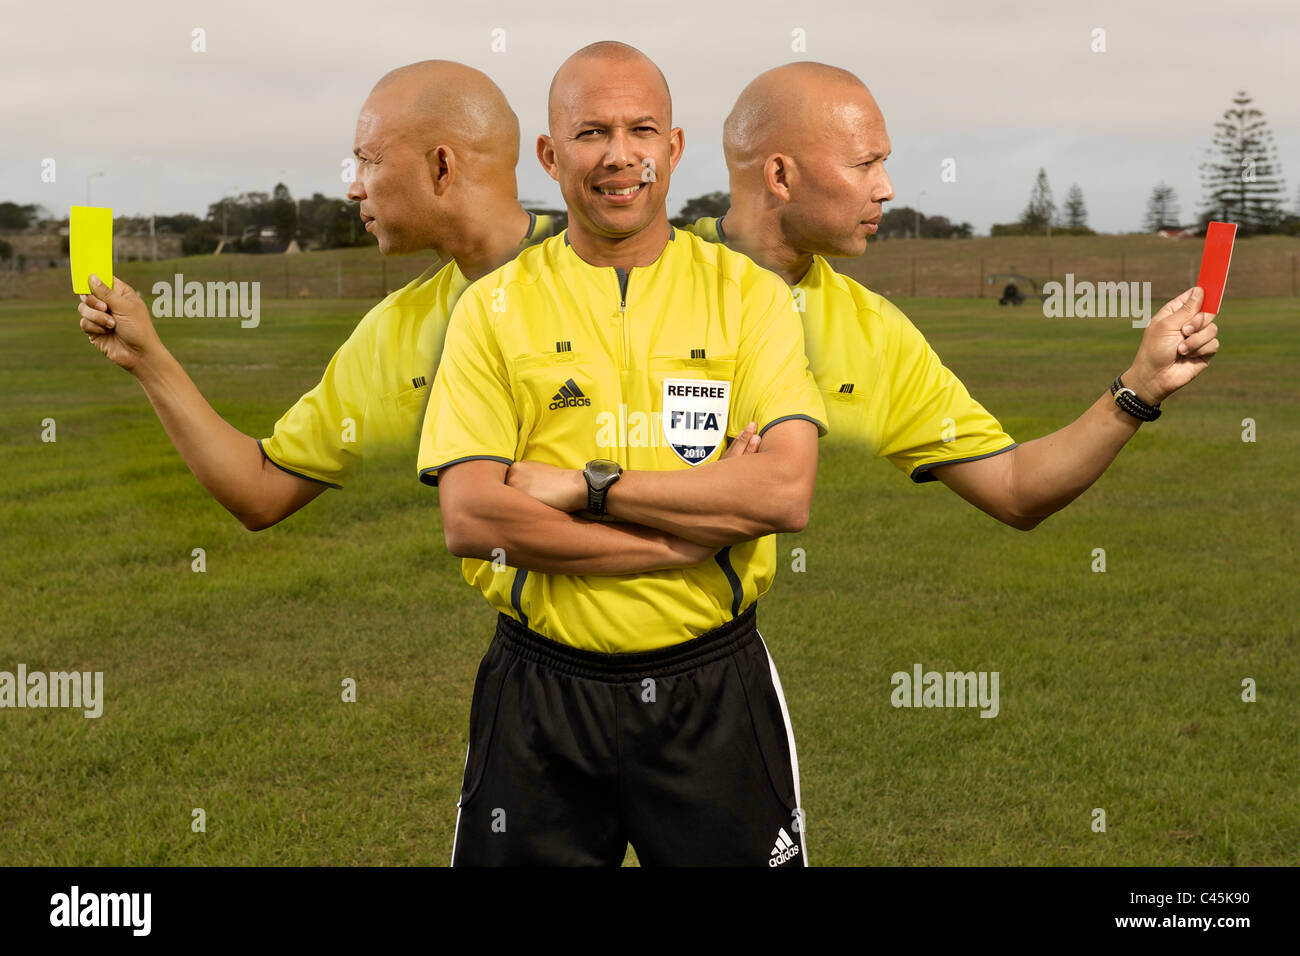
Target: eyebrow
<point>636,122</point>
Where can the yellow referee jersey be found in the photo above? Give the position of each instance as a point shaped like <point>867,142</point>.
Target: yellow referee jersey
<point>555,360</point>
<point>372,396</point>
<point>885,388</point>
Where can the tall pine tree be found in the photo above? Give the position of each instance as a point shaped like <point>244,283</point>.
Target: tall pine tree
<point>1241,175</point>
<point>1076,213</point>
<point>1162,209</point>
<point>1038,215</point>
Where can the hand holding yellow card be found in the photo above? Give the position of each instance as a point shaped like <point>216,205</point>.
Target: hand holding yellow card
<point>90,246</point>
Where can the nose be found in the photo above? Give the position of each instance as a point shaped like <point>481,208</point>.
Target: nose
<point>618,155</point>
<point>884,189</point>
<point>356,192</point>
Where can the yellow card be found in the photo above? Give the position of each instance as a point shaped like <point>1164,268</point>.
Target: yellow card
<point>91,246</point>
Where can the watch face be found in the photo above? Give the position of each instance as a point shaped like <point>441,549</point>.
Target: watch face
<point>602,472</point>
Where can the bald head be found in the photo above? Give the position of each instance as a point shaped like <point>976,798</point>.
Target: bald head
<point>792,109</point>
<point>805,147</point>
<point>597,64</point>
<point>439,102</point>
<point>436,147</point>
<point>612,148</point>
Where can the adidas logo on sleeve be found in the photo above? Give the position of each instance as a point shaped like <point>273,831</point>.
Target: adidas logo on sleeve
<point>785,849</point>
<point>569,396</point>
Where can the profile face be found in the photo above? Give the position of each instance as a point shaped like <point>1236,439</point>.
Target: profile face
<point>393,182</point>
<point>612,148</point>
<point>842,187</point>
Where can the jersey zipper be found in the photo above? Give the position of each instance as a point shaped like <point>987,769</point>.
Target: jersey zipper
<point>625,356</point>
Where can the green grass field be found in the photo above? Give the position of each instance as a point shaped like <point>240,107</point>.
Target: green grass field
<point>1119,690</point>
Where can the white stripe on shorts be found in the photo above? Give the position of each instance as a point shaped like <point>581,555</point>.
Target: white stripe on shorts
<point>457,832</point>
<point>789,736</point>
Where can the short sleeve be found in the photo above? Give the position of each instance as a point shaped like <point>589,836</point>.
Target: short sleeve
<point>932,418</point>
<point>471,412</point>
<point>773,382</point>
<point>318,437</point>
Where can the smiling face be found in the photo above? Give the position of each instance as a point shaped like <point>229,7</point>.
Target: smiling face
<point>836,200</point>
<point>612,147</point>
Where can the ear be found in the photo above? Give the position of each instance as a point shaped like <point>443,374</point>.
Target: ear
<point>442,168</point>
<point>676,144</point>
<point>778,175</point>
<point>546,156</point>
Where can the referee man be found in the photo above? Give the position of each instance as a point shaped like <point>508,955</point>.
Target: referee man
<point>627,695</point>
<point>436,148</point>
<point>805,147</point>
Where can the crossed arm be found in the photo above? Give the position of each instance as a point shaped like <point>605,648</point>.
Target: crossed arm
<point>665,519</point>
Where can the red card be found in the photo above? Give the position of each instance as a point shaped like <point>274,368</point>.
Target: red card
<point>1214,263</point>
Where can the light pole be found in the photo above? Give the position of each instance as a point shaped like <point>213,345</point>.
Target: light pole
<point>88,179</point>
<point>916,231</point>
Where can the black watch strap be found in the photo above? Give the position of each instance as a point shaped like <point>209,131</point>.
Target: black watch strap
<point>1127,400</point>
<point>596,499</point>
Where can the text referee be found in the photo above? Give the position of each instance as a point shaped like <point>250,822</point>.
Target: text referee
<point>627,695</point>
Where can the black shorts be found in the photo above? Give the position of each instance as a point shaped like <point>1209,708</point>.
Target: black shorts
<point>684,752</point>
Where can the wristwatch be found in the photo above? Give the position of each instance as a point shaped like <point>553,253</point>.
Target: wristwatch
<point>600,474</point>
<point>1127,399</point>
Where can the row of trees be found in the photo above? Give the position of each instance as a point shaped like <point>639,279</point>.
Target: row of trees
<point>898,222</point>
<point>1041,216</point>
<point>320,222</point>
<point>1241,176</point>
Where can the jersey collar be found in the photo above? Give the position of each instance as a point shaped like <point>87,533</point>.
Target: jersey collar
<point>672,234</point>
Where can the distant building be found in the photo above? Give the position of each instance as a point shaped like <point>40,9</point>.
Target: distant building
<point>45,246</point>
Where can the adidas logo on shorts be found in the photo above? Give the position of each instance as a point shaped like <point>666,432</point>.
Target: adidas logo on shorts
<point>785,849</point>
<point>569,396</point>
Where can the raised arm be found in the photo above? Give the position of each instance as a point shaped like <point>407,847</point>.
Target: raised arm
<point>228,463</point>
<point>1036,479</point>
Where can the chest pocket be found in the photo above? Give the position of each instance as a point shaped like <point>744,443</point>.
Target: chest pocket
<point>851,418</point>
<point>558,398</point>
<point>693,422</point>
<point>393,421</point>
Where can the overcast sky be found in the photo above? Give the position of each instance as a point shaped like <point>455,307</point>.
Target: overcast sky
<point>1000,87</point>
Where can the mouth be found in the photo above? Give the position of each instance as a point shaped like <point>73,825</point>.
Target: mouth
<point>873,225</point>
<point>620,194</point>
<point>368,221</point>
